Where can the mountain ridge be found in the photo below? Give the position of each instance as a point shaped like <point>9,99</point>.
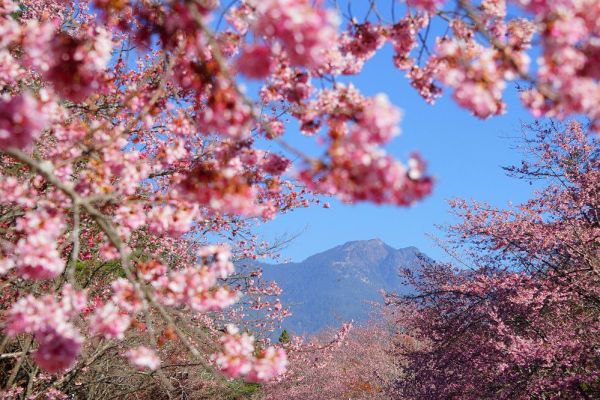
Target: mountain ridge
<point>340,284</point>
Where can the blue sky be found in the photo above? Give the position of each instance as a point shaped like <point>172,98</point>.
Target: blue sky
<point>464,154</point>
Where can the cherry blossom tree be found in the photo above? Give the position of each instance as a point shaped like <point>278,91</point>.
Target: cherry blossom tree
<point>358,364</point>
<point>523,322</point>
<point>133,164</point>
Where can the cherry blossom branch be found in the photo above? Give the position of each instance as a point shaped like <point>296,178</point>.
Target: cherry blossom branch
<point>114,238</point>
<point>503,49</point>
<point>74,256</point>
<point>224,68</point>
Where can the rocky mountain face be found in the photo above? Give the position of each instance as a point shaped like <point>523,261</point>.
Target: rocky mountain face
<point>340,284</point>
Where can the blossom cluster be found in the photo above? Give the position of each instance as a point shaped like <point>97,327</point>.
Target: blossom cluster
<point>304,31</point>
<point>358,168</point>
<point>36,255</point>
<point>568,71</point>
<point>50,321</point>
<point>73,64</point>
<point>21,121</point>
<point>143,358</point>
<point>238,358</point>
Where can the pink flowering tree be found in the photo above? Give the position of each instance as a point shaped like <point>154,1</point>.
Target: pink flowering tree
<point>133,171</point>
<point>523,322</point>
<point>359,363</point>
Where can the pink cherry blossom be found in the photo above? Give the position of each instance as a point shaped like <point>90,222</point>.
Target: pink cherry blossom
<point>36,255</point>
<point>58,348</point>
<point>59,342</point>
<point>304,31</point>
<point>237,358</point>
<point>72,64</point>
<point>427,5</point>
<point>256,61</point>
<point>227,113</point>
<point>143,358</point>
<point>21,121</point>
<point>151,270</point>
<point>269,364</point>
<point>109,321</point>
<point>8,7</point>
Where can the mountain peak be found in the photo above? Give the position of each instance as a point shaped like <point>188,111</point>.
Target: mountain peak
<point>368,251</point>
<point>365,243</point>
<point>365,251</point>
<point>375,243</point>
<point>339,284</point>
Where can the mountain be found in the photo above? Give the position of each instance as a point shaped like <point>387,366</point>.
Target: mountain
<point>339,284</point>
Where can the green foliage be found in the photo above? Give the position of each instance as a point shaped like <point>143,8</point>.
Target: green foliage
<point>19,13</point>
<point>240,390</point>
<point>86,271</point>
<point>284,337</point>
